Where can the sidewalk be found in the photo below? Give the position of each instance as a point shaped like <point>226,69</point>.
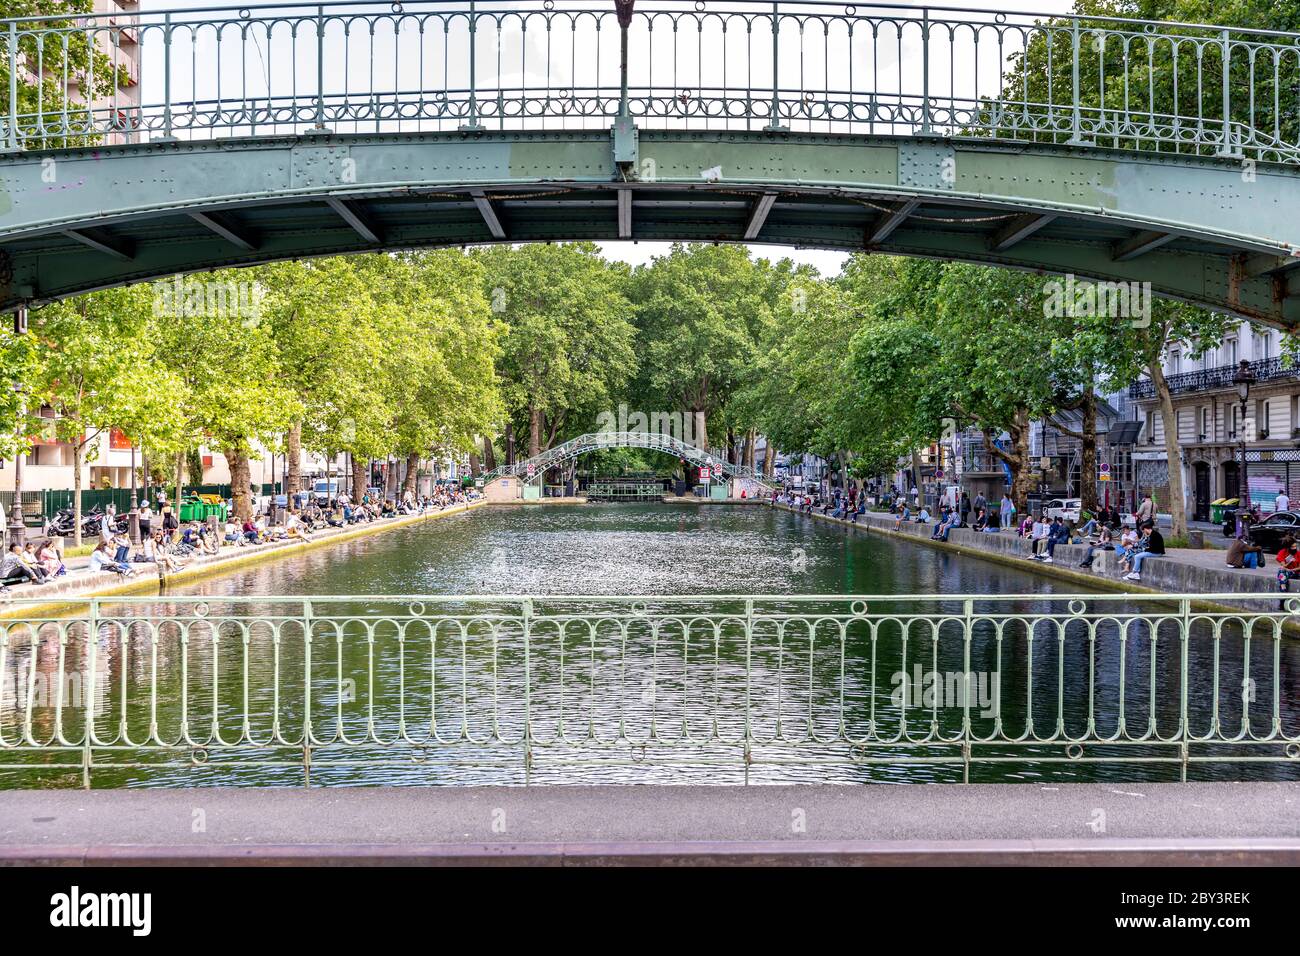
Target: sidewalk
<point>955,824</point>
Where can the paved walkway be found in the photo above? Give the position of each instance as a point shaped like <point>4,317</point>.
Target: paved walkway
<point>1077,823</point>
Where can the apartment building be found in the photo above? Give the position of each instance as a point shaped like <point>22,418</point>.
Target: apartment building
<point>1213,425</point>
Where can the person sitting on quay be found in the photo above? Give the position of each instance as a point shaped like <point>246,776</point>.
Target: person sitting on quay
<point>337,518</point>
<point>1026,529</point>
<point>250,532</point>
<point>1060,532</point>
<point>16,569</point>
<point>1038,537</point>
<point>903,515</point>
<point>232,535</point>
<point>1152,546</point>
<point>952,520</point>
<point>122,547</point>
<point>295,527</point>
<point>1288,563</point>
<point>1128,541</point>
<point>101,559</point>
<point>155,550</point>
<point>1104,542</point>
<point>982,522</point>
<point>50,559</point>
<point>924,516</point>
<point>1245,553</point>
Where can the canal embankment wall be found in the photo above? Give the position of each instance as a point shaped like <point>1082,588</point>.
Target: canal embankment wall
<point>81,583</point>
<point>1181,571</point>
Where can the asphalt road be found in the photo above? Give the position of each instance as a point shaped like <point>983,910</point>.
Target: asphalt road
<point>1257,822</point>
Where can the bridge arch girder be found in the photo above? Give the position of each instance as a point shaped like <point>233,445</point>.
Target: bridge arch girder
<point>591,442</point>
<point>1216,232</point>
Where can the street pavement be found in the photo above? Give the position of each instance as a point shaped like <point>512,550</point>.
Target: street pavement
<point>1124,822</point>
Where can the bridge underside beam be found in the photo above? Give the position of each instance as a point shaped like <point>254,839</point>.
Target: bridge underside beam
<point>247,202</point>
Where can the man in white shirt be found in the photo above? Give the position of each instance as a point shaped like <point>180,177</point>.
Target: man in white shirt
<point>1282,502</point>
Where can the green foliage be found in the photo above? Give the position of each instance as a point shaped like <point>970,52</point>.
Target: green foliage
<point>1152,77</point>
<point>55,60</point>
<point>567,343</point>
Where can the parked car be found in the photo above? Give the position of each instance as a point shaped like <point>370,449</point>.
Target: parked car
<point>1268,534</point>
<point>322,490</point>
<point>1067,509</point>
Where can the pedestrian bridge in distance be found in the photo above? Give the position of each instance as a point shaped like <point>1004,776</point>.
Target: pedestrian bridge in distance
<point>1116,150</point>
<point>537,466</point>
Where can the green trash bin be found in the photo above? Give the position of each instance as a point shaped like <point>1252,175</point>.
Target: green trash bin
<point>1216,510</point>
<point>192,509</point>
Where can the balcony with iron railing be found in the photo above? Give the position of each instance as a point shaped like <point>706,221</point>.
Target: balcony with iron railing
<point>1202,380</point>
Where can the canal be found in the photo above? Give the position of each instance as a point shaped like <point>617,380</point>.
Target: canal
<point>404,701</point>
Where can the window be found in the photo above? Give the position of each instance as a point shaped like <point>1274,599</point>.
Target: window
<point>1234,414</point>
<point>1151,427</point>
<point>1175,362</point>
<point>1206,429</point>
<point>1230,351</point>
<point>1262,343</point>
<point>1261,419</point>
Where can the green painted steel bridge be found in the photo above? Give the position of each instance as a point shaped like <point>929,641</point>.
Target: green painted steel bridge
<point>1117,150</point>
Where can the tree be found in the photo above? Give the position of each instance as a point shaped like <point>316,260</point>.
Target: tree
<point>567,346</point>
<point>96,369</point>
<point>1150,78</point>
<point>232,391</point>
<point>700,312</point>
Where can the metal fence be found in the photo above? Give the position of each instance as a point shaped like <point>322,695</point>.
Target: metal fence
<point>694,64</point>
<point>135,690</point>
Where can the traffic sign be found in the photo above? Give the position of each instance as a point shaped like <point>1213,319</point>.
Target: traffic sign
<point>705,474</point>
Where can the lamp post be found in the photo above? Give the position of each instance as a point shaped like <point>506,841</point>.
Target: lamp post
<point>134,520</point>
<point>1242,380</point>
<point>17,524</point>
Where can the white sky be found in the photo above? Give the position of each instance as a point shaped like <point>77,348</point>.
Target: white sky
<point>280,64</point>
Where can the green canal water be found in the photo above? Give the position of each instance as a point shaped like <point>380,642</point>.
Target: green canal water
<point>598,688</point>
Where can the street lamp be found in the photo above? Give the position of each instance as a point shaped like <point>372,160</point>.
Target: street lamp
<point>1242,380</point>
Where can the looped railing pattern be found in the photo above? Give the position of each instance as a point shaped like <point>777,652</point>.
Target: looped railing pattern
<point>1011,684</point>
<point>803,65</point>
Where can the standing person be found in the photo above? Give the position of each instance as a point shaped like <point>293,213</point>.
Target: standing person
<point>170,523</point>
<point>1007,512</point>
<point>1146,511</point>
<point>965,509</point>
<point>107,522</point>
<point>146,519</point>
<point>981,503</point>
<point>1282,502</point>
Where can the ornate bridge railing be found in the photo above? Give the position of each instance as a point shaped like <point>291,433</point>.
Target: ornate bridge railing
<point>684,64</point>
<point>651,441</point>
<point>455,688</point>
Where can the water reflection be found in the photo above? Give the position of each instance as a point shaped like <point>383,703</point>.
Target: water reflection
<point>431,693</point>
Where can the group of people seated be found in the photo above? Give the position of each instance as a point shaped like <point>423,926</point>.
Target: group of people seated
<point>1133,546</point>
<point>37,563</point>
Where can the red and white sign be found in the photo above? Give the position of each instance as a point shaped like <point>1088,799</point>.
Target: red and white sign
<point>705,474</point>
